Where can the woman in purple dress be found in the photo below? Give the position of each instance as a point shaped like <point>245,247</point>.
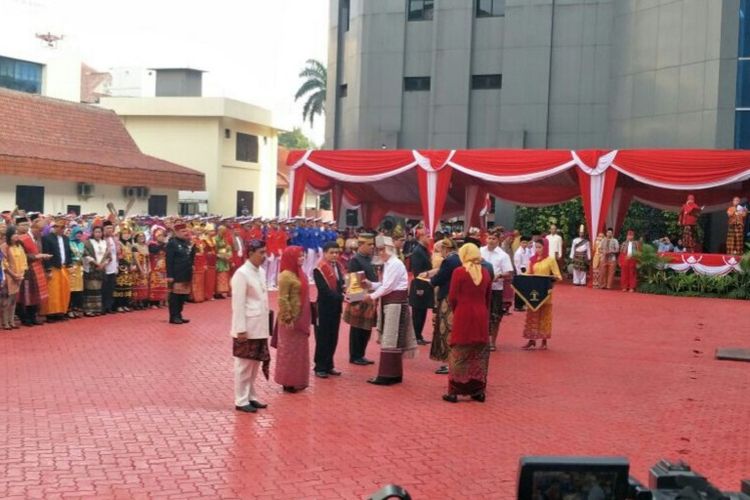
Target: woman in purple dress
<point>293,345</point>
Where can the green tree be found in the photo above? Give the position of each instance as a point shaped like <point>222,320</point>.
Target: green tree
<point>566,216</point>
<point>295,140</point>
<point>314,89</point>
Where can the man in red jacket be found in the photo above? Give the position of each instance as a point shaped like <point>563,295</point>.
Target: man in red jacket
<point>628,271</point>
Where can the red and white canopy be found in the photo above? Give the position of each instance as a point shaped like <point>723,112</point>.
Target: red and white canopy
<point>431,184</point>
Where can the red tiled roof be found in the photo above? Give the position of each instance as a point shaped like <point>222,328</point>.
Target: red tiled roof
<point>50,138</point>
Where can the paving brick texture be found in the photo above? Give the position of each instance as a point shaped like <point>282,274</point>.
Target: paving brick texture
<point>128,406</point>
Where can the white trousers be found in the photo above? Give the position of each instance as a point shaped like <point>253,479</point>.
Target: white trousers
<point>311,261</point>
<point>245,371</point>
<point>579,277</point>
<point>272,270</point>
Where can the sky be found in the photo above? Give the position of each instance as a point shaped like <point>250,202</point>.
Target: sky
<point>252,50</point>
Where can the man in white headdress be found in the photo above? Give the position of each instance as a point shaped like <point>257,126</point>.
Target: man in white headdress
<point>580,253</point>
<point>396,332</point>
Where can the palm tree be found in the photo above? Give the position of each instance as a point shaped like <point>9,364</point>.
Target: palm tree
<point>314,87</point>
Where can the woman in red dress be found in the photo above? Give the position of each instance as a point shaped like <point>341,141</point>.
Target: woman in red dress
<point>469,299</point>
<point>293,359</point>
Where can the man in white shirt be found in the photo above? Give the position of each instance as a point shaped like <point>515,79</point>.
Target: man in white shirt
<point>250,327</point>
<point>521,262</point>
<point>110,271</point>
<point>395,327</point>
<point>556,247</point>
<point>502,268</point>
<point>580,253</point>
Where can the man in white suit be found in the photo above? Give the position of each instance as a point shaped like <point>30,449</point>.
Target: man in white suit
<point>250,327</point>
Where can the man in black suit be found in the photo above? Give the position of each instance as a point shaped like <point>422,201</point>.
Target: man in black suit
<point>57,245</point>
<point>180,254</point>
<point>329,279</point>
<point>421,292</point>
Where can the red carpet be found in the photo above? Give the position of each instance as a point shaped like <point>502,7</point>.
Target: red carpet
<point>131,407</point>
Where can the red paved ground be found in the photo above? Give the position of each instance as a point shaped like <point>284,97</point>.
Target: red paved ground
<point>131,407</point>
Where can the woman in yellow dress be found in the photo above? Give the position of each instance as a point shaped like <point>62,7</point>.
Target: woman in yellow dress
<point>597,260</point>
<point>539,323</point>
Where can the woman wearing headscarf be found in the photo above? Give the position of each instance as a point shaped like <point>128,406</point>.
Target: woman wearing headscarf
<point>539,323</point>
<point>75,272</point>
<point>293,360</point>
<point>469,298</point>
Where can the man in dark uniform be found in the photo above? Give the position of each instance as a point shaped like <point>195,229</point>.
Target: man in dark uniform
<point>361,316</point>
<point>329,280</point>
<point>180,255</point>
<point>421,292</point>
<point>439,350</point>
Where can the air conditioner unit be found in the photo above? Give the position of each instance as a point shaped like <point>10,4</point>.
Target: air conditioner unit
<point>129,192</point>
<point>143,192</point>
<point>85,190</point>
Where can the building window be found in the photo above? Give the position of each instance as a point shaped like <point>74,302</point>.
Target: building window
<point>416,83</point>
<point>490,8</point>
<point>421,10</point>
<point>30,198</point>
<point>343,90</point>
<point>247,147</point>
<point>482,82</point>
<point>742,103</point>
<point>20,75</point>
<point>345,14</point>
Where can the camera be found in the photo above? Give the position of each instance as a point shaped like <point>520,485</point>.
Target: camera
<point>608,478</point>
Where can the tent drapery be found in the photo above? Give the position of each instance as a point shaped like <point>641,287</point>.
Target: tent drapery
<point>428,184</point>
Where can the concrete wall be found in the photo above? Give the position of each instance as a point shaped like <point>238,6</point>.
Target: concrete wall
<point>59,194</point>
<point>576,74</point>
<point>199,143</point>
<point>674,74</point>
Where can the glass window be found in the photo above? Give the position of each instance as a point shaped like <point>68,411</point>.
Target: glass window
<point>744,48</point>
<point>416,83</point>
<point>343,90</point>
<point>421,10</point>
<point>490,8</point>
<point>247,148</point>
<point>480,82</point>
<point>742,129</point>
<point>345,10</point>
<point>20,75</point>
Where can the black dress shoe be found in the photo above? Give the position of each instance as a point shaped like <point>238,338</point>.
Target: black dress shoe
<point>258,404</point>
<point>443,370</point>
<point>384,380</point>
<point>423,342</point>
<point>360,362</point>
<point>290,389</point>
<point>176,321</point>
<point>368,361</point>
<point>185,320</point>
<point>248,408</point>
<point>478,397</point>
<point>321,374</point>
<point>334,372</point>
<point>451,398</point>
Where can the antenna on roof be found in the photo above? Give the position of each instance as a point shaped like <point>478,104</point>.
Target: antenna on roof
<point>50,38</point>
